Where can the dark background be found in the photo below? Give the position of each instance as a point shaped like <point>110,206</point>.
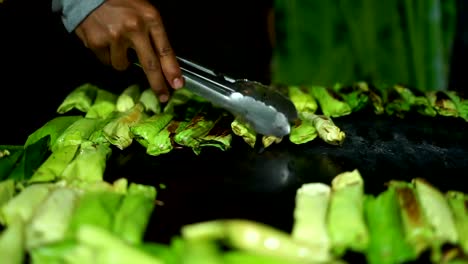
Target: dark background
<point>40,63</point>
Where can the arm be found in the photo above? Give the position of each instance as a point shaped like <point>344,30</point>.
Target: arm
<point>110,27</point>
<point>74,11</point>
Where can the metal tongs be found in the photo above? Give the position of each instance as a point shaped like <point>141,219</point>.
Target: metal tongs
<point>266,110</point>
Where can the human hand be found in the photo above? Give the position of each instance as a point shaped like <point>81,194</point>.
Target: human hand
<point>117,25</point>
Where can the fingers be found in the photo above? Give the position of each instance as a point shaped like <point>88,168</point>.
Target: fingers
<point>150,63</point>
<point>97,43</point>
<point>118,56</point>
<point>167,58</point>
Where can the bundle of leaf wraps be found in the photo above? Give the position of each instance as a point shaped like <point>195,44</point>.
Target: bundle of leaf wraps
<point>185,121</point>
<point>306,128</point>
<point>395,100</point>
<point>408,221</point>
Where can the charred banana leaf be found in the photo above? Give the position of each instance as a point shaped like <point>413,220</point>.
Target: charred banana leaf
<point>399,101</point>
<point>417,229</point>
<point>375,99</point>
<point>437,212</point>
<point>163,143</point>
<point>302,132</point>
<point>219,136</point>
<point>422,105</point>
<point>443,103</point>
<point>198,127</point>
<point>150,102</point>
<point>81,98</point>
<point>331,103</point>
<point>326,129</point>
<point>354,95</point>
<point>117,131</point>
<point>128,98</point>
<point>146,131</point>
<point>269,140</point>
<point>243,130</point>
<point>103,106</point>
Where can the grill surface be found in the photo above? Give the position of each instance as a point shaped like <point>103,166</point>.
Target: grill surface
<point>260,184</point>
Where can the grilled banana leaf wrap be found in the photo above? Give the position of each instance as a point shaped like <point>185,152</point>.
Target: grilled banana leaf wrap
<point>331,103</point>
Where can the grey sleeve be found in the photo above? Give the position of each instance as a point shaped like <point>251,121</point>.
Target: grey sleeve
<point>74,11</point>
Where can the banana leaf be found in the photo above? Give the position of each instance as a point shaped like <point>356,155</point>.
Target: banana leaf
<point>12,242</point>
<point>302,99</point>
<point>10,155</point>
<point>138,203</point>
<point>146,131</point>
<point>94,208</point>
<point>118,132</point>
<point>163,143</point>
<point>89,163</point>
<point>442,102</point>
<point>354,95</point>
<point>376,100</point>
<point>331,103</point>
<point>422,105</point>
<point>243,130</point>
<point>7,191</point>
<point>31,159</point>
<point>81,98</point>
<point>53,128</point>
<point>252,237</point>
<point>326,129</point>
<point>109,249</point>
<point>346,222</point>
<point>437,211</point>
<point>399,101</point>
<point>103,106</point>
<point>269,140</point>
<point>310,219</point>
<point>179,97</point>
<point>418,231</point>
<point>219,136</point>
<point>302,132</point>
<point>53,167</point>
<point>198,127</point>
<point>128,98</point>
<point>50,220</point>
<point>459,206</point>
<point>387,242</point>
<point>150,102</point>
<point>76,133</point>
<point>23,205</point>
